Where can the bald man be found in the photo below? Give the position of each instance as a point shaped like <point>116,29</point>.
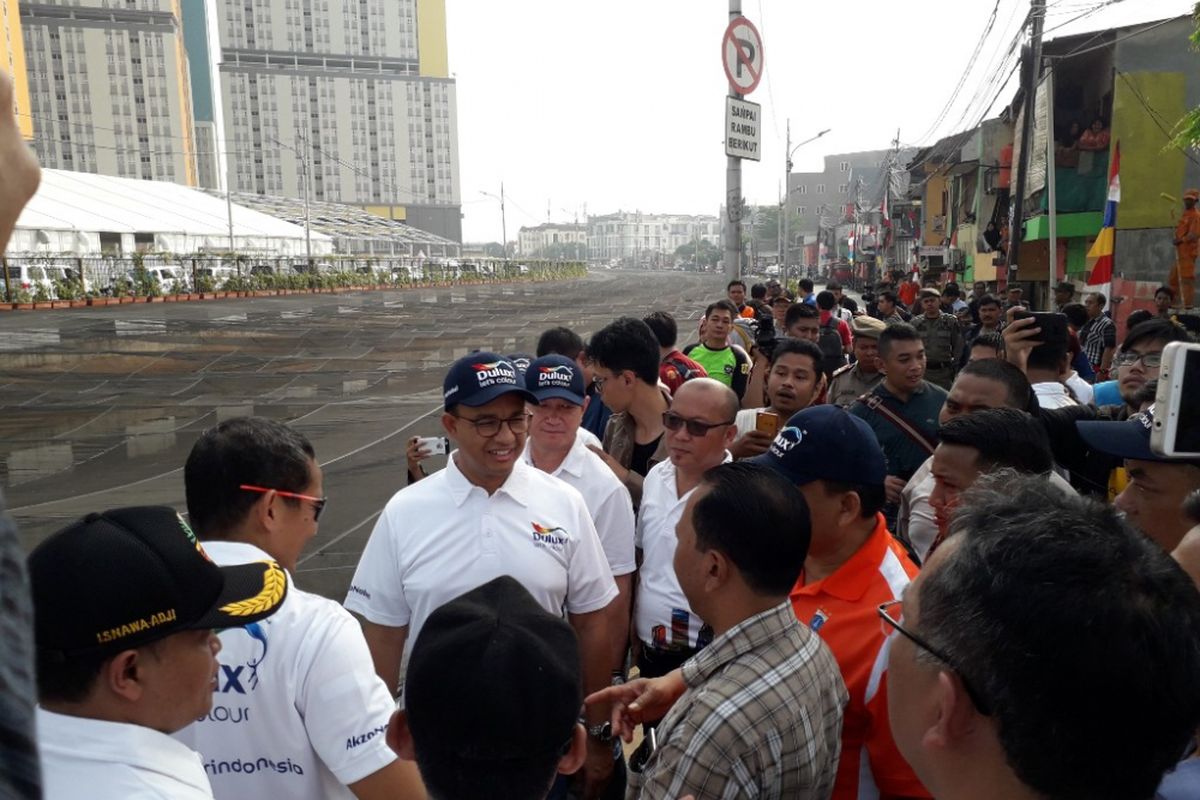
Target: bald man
<point>699,430</point>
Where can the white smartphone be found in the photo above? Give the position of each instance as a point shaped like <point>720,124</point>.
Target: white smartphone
<point>434,445</point>
<point>1176,431</point>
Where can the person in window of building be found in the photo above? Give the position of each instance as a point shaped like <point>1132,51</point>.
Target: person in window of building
<point>760,708</point>
<point>1004,692</point>
<point>1095,138</point>
<point>1187,248</point>
<point>724,362</point>
<point>126,603</point>
<point>1066,150</point>
<point>991,237</point>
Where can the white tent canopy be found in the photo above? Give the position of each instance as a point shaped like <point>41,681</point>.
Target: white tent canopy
<point>72,209</point>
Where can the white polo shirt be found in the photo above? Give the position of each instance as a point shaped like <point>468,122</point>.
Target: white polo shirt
<point>661,612</point>
<point>444,536</point>
<point>115,761</point>
<point>607,500</point>
<point>299,711</point>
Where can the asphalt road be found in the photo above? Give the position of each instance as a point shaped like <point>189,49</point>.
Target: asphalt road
<point>100,407</point>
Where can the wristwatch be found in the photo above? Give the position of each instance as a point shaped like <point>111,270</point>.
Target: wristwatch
<point>601,733</point>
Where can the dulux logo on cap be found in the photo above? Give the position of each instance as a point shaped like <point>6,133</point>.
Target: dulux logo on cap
<point>785,440</point>
<point>494,373</point>
<point>559,376</point>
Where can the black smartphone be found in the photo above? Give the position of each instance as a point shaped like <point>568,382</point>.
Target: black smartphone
<point>1053,325</point>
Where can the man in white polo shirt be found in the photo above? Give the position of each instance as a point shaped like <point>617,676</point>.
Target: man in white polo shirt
<point>298,710</point>
<point>125,603</point>
<point>700,428</point>
<point>487,514</point>
<point>555,448</point>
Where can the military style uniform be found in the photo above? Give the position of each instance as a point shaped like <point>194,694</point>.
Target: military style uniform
<point>849,383</point>
<point>943,339</point>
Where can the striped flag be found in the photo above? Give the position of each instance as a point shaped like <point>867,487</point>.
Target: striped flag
<point>1102,250</point>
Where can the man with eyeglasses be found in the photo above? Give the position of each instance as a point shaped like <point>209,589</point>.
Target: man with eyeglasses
<point>298,689</point>
<point>700,428</point>
<point>1094,472</point>
<point>487,514</point>
<point>1007,681</point>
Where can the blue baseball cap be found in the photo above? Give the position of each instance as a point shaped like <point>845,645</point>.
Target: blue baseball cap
<point>521,361</point>
<point>479,378</point>
<point>824,443</point>
<point>1128,438</point>
<point>556,376</point>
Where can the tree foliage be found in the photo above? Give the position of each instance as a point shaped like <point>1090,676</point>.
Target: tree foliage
<point>1187,131</point>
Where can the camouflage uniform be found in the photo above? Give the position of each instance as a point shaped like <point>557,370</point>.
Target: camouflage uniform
<point>943,339</point>
<point>848,384</point>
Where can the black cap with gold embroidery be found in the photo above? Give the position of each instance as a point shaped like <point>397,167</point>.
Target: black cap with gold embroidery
<point>123,578</point>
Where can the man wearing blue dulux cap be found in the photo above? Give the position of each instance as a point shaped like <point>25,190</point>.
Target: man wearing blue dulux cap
<point>854,564</point>
<point>487,514</point>
<point>1153,499</point>
<point>555,448</point>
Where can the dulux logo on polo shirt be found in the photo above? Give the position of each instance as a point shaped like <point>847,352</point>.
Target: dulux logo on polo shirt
<point>241,678</point>
<point>561,376</point>
<point>492,373</point>
<point>554,538</point>
<point>787,438</point>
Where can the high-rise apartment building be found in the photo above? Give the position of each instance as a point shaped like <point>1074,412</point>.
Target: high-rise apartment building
<point>12,59</point>
<point>354,95</point>
<point>108,88</point>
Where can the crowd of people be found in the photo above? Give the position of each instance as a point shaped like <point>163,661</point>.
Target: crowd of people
<point>830,550</point>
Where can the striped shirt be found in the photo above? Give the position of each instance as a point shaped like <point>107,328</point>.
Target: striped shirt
<point>1097,335</point>
<point>761,718</point>
<point>842,609</point>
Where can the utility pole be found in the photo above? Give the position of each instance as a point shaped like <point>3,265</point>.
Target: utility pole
<point>503,223</point>
<point>1032,58</point>
<point>787,201</point>
<point>304,171</point>
<point>733,191</point>
<point>229,197</point>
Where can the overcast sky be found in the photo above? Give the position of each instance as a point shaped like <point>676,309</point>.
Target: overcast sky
<point>620,104</point>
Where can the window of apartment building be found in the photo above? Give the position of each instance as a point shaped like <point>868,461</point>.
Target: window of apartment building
<point>845,166</point>
<point>820,188</point>
<point>801,210</point>
<point>801,190</point>
<point>843,188</point>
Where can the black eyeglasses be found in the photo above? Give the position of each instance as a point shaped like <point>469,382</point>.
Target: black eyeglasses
<point>318,502</point>
<point>1128,358</point>
<point>890,613</point>
<point>673,422</point>
<point>489,427</point>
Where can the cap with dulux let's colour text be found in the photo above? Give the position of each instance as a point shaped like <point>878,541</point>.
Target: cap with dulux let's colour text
<point>121,579</point>
<point>479,378</point>
<point>556,377</point>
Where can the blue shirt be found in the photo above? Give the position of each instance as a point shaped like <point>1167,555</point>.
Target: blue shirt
<point>1107,393</point>
<point>904,456</point>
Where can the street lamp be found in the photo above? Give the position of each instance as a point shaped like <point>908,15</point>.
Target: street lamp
<point>787,191</point>
<point>503,222</point>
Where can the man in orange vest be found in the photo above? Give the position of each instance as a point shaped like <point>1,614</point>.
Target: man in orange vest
<point>1187,247</point>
